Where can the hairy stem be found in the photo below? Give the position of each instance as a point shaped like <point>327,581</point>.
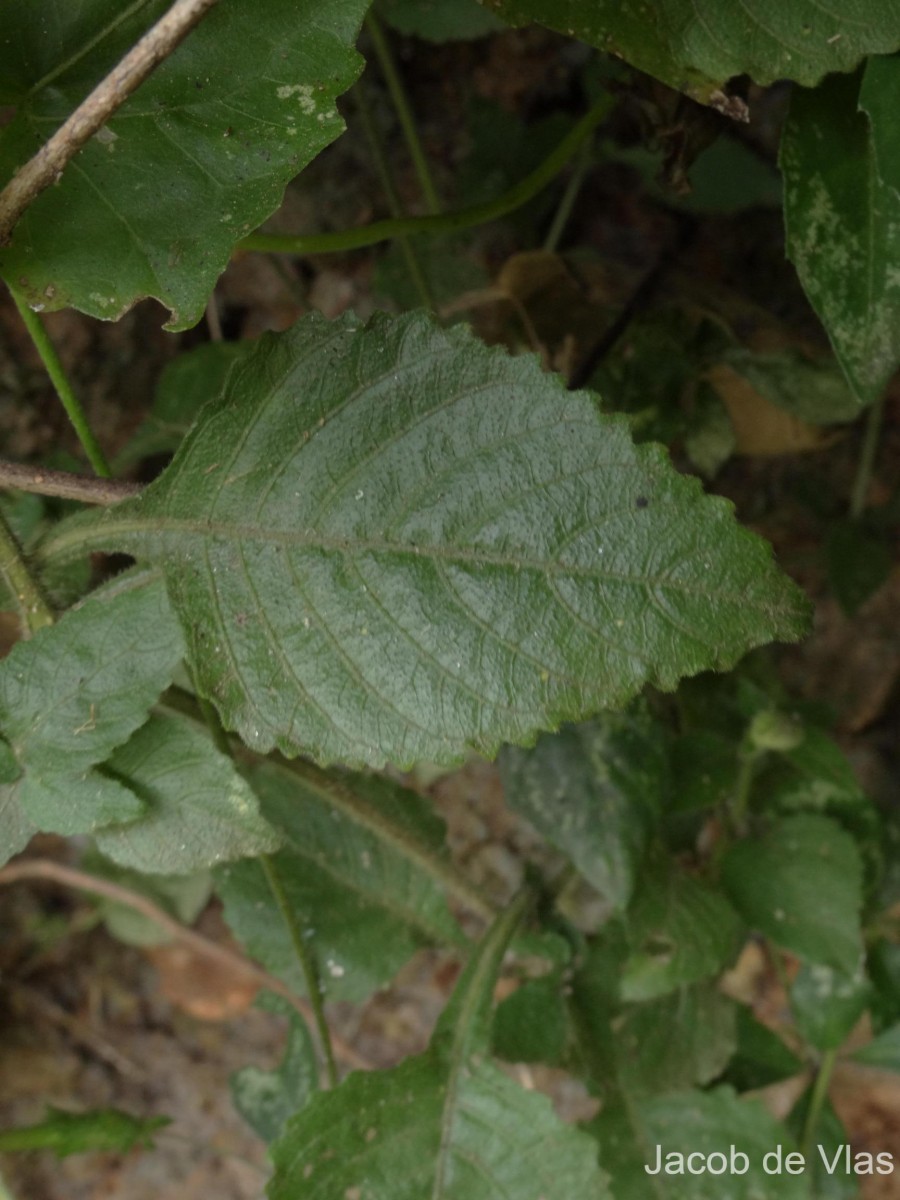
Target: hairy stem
<point>86,488</point>
<point>306,961</point>
<point>34,611</point>
<point>64,390</point>
<point>404,112</point>
<point>48,164</point>
<point>447,222</point>
<point>416,273</point>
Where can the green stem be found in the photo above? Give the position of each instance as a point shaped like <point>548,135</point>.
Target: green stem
<point>34,611</point>
<point>54,368</point>
<point>567,201</point>
<point>404,111</point>
<point>306,961</point>
<point>447,222</point>
<point>817,1100</point>
<point>747,760</point>
<point>867,455</point>
<point>413,265</point>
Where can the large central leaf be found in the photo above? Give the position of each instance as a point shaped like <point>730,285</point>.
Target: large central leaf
<point>199,156</point>
<point>393,543</point>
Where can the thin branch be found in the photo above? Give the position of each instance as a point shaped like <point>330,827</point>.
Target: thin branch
<point>48,164</point>
<point>64,484</point>
<point>46,869</point>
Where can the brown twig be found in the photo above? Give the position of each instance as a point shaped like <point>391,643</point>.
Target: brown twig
<point>47,869</point>
<point>89,489</point>
<point>48,164</point>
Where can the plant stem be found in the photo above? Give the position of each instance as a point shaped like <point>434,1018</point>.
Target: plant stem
<point>404,112</point>
<point>306,961</point>
<point>86,488</point>
<point>54,368</point>
<point>567,201</point>
<point>446,222</point>
<point>867,454</point>
<point>817,1100</point>
<point>743,786</point>
<point>413,265</point>
<point>34,611</point>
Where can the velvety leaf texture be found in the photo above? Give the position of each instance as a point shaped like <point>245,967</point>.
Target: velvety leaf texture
<point>392,543</point>
<point>196,158</point>
<point>72,694</point>
<point>696,45</point>
<point>842,214</point>
<point>364,903</point>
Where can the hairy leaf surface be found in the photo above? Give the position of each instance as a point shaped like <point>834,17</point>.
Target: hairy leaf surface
<point>697,45</point>
<point>363,901</point>
<point>448,1125</point>
<point>73,693</point>
<point>195,159</point>
<point>392,543</point>
<point>842,213</point>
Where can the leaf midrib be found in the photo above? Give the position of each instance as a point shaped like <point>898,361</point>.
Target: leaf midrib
<point>465,556</point>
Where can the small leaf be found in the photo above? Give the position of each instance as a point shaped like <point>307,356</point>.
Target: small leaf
<point>680,931</point>
<point>813,390</point>
<point>715,1122</point>
<point>199,156</point>
<point>697,45</point>
<point>182,896</point>
<point>801,885</point>
<point>198,809</point>
<point>826,1004</point>
<point>532,1025</point>
<point>858,562</point>
<point>74,1133</point>
<point>266,1099</point>
<point>433,548</point>
<point>448,1125</point>
<point>74,692</point>
<point>883,1051</point>
<point>761,1057</point>
<point>365,903</point>
<point>842,213</point>
<point>594,790</point>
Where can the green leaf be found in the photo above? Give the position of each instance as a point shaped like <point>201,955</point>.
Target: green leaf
<point>883,1051</point>
<point>358,890</point>
<point>826,1004</point>
<point>801,885</point>
<point>430,548</point>
<point>697,45</point>
<point>448,1125</point>
<point>266,1099</point>
<point>859,562</point>
<point>74,692</point>
<point>705,1123</point>
<point>594,790</point>
<point>679,930</point>
<point>198,809</point>
<point>73,1133</point>
<point>842,213</point>
<point>532,1024</point>
<point>199,156</point>
<point>186,384</point>
<point>439,20</point>
<point>675,1041</point>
